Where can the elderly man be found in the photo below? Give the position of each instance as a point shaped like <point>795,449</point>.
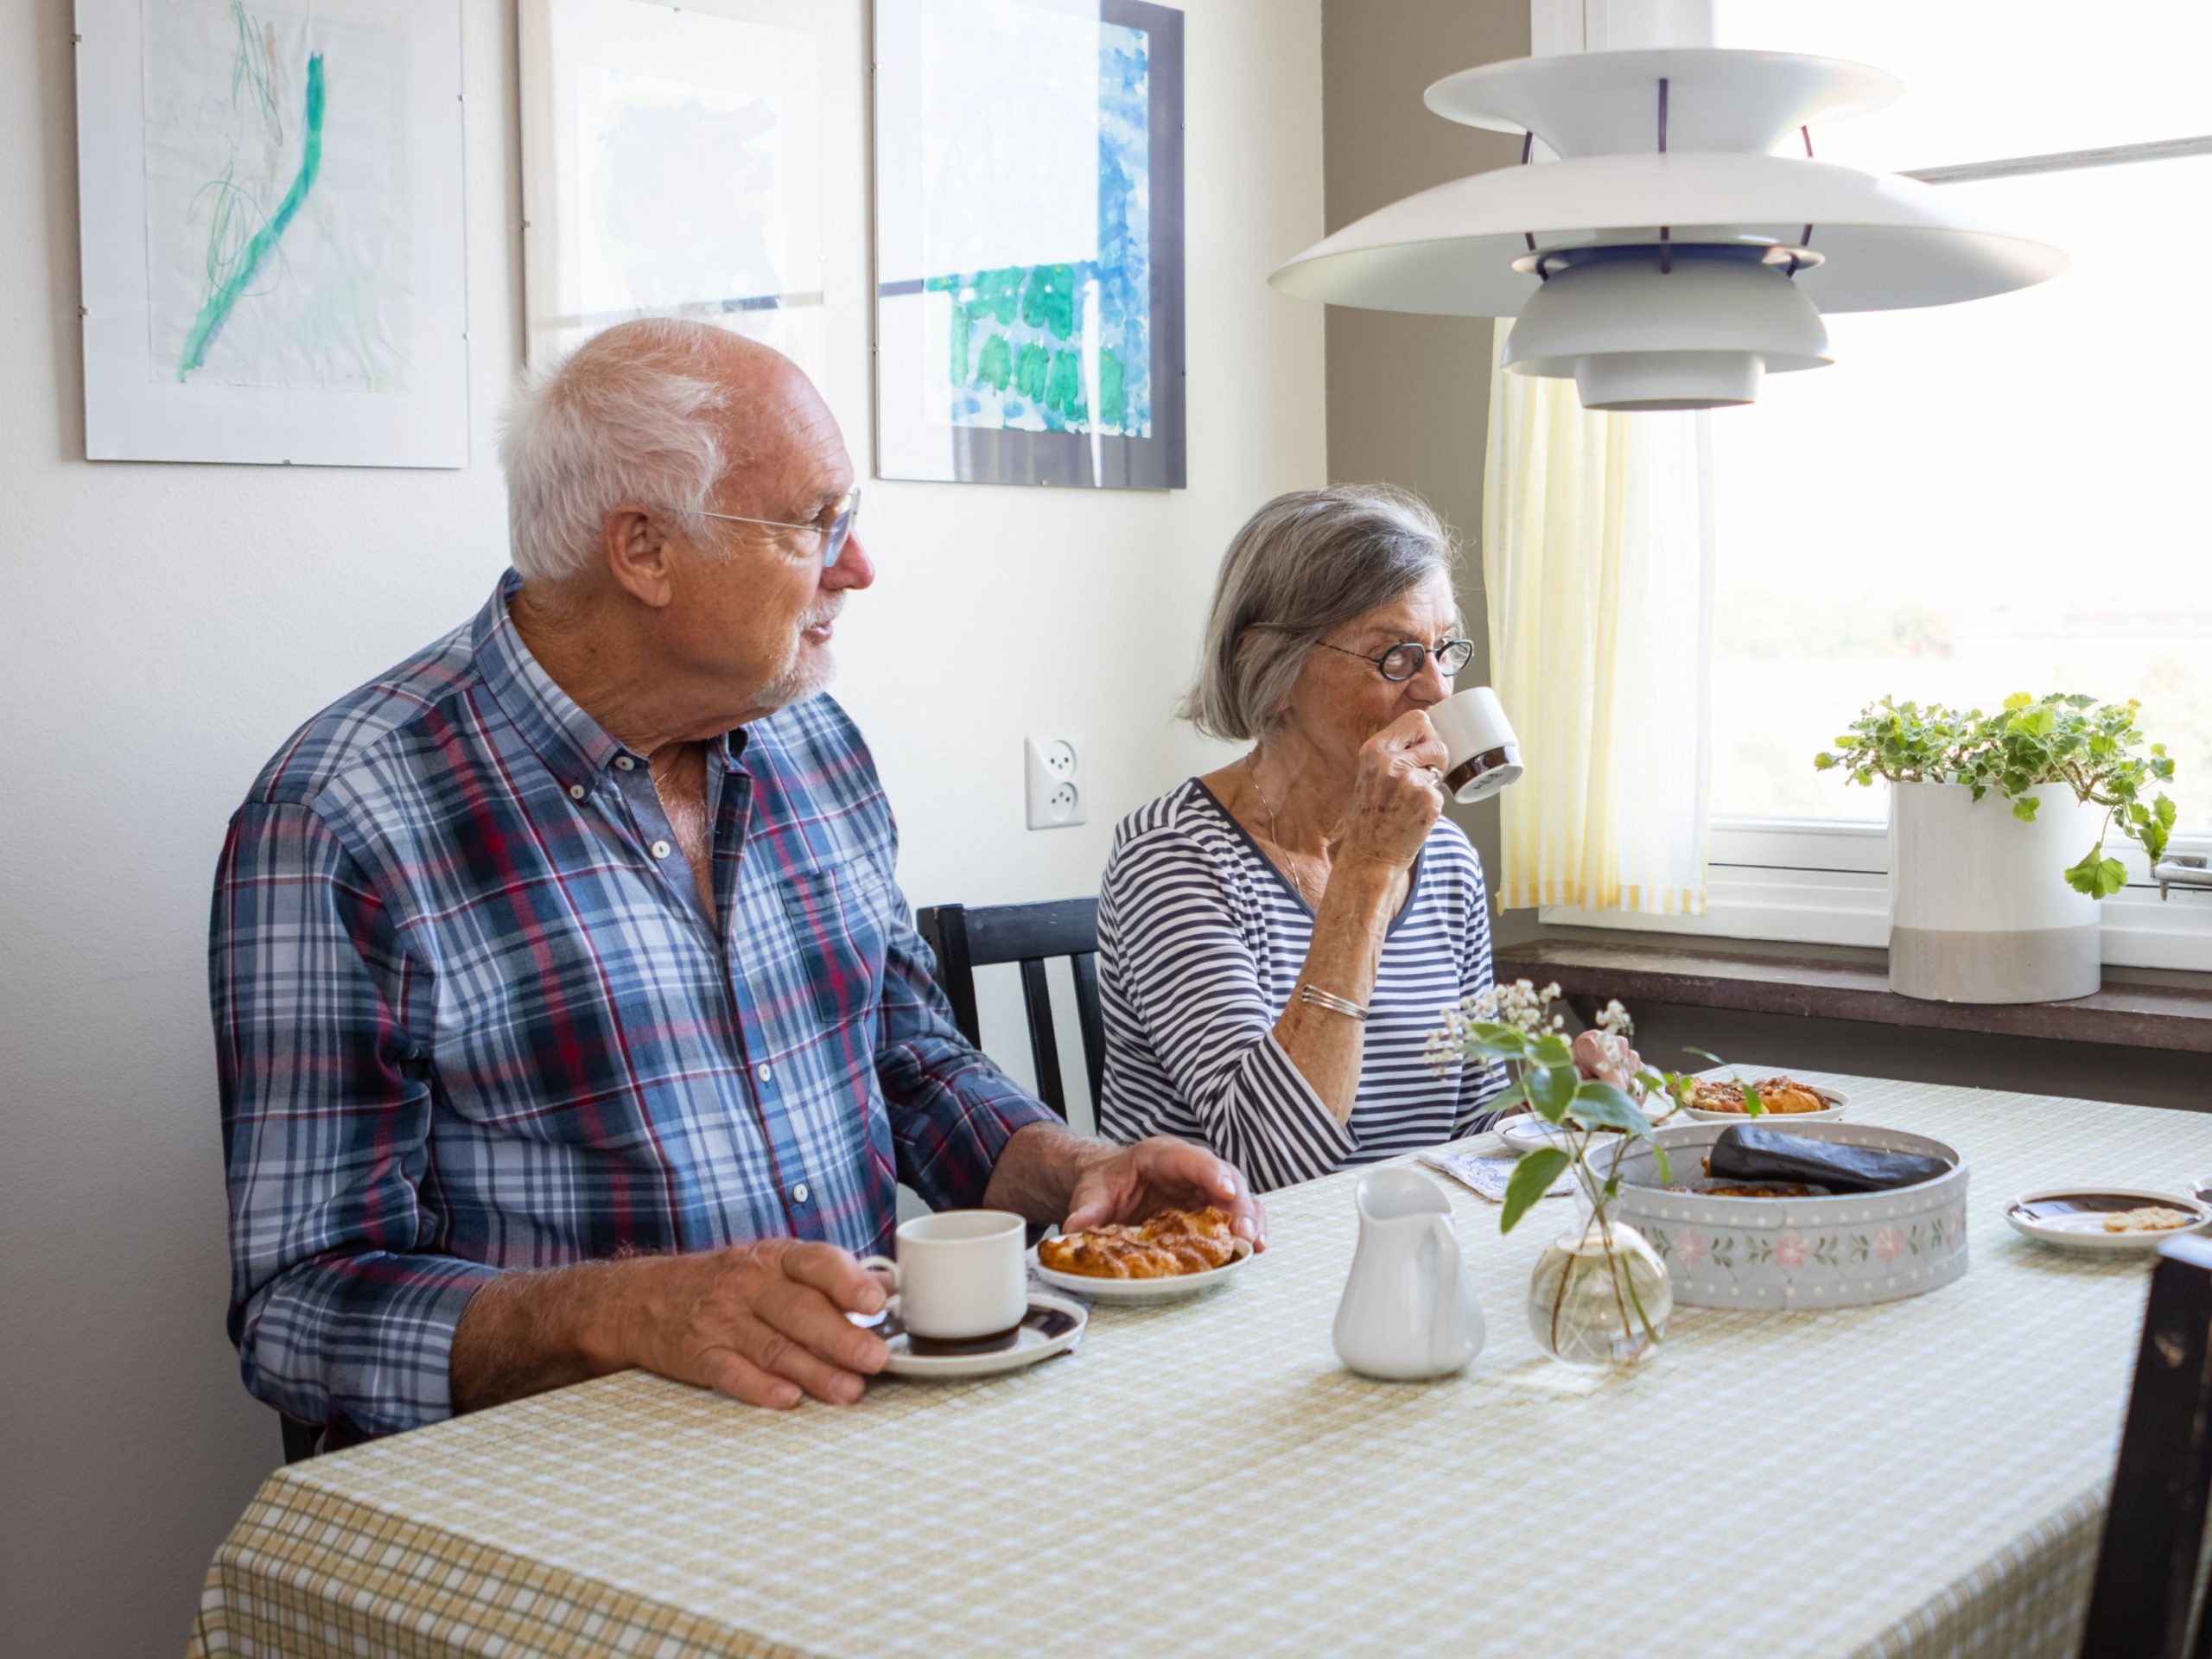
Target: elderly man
<point>568,1013</point>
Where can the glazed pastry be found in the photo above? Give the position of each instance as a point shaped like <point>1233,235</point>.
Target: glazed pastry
<point>1777,1095</point>
<point>1173,1243</point>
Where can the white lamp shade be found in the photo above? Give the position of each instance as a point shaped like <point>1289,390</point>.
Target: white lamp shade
<point>1701,335</point>
<point>1888,242</point>
<point>1684,260</point>
<point>1606,103</point>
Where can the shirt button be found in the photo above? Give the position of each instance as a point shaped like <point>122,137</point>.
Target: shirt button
<point>766,1071</point>
<point>625,762</point>
<point>798,1193</point>
<point>577,791</point>
<point>660,849</point>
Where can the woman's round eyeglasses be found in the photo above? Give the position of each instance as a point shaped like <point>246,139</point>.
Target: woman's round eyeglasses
<point>1400,662</point>
<point>835,534</point>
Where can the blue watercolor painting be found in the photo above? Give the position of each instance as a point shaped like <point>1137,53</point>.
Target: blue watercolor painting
<point>1067,347</point>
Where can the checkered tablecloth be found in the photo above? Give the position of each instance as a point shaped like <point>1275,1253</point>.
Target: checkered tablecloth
<point>1925,1477</point>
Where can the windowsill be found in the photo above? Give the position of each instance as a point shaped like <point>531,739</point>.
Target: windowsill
<point>2138,1008</point>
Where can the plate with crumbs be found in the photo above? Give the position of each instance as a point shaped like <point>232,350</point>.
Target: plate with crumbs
<point>2105,1220</point>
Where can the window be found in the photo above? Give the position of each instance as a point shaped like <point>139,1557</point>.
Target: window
<point>1976,499</point>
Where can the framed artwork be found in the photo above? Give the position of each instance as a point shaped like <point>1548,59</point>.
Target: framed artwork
<point>1029,242</point>
<point>693,160</point>
<point>269,200</point>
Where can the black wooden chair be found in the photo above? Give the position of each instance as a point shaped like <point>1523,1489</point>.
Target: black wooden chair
<point>2148,1565</point>
<point>966,939</point>
<point>301,1440</point>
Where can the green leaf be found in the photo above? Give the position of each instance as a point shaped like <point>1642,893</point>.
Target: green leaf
<point>1753,1106</point>
<point>1823,762</point>
<point>2017,700</point>
<point>1532,1179</point>
<point>2098,876</point>
<point>1601,1106</point>
<point>1551,1049</point>
<point>1491,1037</point>
<point>2166,813</point>
<point>1551,1089</point>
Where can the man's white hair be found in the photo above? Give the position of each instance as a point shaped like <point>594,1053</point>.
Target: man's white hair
<point>634,415</point>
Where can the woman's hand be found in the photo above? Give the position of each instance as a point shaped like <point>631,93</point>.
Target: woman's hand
<point>1604,1057</point>
<point>1395,797</point>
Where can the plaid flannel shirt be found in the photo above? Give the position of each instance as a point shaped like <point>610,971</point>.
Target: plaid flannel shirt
<point>471,1016</point>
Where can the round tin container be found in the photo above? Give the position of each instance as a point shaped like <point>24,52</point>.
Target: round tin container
<point>1844,1251</point>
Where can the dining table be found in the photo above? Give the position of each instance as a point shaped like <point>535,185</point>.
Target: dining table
<point>1920,1477</point>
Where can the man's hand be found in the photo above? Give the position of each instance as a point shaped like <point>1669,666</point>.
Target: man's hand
<point>1162,1173</point>
<point>760,1323</point>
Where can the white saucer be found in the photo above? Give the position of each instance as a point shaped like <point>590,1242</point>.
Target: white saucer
<point>2072,1217</point>
<point>1054,1325</point>
<point>1130,1293</point>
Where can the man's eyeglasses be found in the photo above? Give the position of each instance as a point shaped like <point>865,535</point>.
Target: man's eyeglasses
<point>833,534</point>
<point>1401,663</point>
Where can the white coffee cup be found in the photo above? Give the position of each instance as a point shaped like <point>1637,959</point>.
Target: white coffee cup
<point>1484,755</point>
<point>960,1274</point>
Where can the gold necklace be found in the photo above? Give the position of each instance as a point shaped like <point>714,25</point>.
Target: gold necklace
<point>1275,837</point>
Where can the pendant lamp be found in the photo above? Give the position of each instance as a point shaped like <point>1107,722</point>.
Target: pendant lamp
<point>1667,259</point>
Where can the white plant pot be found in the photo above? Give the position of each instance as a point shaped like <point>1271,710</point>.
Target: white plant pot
<point>1980,910</point>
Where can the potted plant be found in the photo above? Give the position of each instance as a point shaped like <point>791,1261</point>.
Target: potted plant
<point>1600,1296</point>
<point>1991,897</point>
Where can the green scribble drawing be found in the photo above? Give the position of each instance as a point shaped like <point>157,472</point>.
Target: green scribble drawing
<point>1048,300</point>
<point>1113,394</point>
<point>1064,390</point>
<point>231,274</point>
<point>995,363</point>
<point>1029,369</point>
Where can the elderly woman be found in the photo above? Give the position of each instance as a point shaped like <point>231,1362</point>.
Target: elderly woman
<point>1277,939</point>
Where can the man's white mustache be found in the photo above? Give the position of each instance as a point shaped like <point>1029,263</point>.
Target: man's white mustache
<point>820,618</point>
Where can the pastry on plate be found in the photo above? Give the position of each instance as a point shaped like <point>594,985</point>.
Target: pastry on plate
<point>2148,1218</point>
<point>1168,1245</point>
<point>1777,1094</point>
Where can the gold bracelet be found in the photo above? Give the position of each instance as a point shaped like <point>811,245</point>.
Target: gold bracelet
<point>1322,999</point>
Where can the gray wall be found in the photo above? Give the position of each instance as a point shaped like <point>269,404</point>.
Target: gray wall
<point>1408,396</point>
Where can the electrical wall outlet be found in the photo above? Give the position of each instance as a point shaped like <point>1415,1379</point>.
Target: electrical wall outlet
<point>1053,769</point>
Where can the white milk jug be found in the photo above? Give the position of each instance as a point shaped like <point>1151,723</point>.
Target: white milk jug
<point>1408,1310</point>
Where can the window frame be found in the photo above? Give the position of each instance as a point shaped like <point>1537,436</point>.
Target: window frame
<point>1826,882</point>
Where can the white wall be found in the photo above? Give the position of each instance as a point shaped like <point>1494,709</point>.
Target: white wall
<point>162,627</point>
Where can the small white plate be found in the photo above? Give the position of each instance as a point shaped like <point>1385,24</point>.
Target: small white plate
<point>1131,1293</point>
<point>1524,1134</point>
<point>1054,1325</point>
<point>2073,1217</point>
<point>1770,1120</point>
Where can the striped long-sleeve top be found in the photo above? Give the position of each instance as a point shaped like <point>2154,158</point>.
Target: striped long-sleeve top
<point>1200,942</point>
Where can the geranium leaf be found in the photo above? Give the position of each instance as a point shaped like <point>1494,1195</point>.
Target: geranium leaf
<point>1551,1089</point>
<point>1532,1179</point>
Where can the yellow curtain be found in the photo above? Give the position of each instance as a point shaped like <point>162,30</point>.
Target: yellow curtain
<point>1598,568</point>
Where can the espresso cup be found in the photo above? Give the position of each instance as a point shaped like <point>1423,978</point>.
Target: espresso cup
<point>1482,755</point>
<point>960,1275</point>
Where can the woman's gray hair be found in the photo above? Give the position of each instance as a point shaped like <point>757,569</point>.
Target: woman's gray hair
<point>1302,567</point>
<point>633,415</point>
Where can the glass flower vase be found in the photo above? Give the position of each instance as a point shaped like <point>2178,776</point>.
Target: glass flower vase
<point>1600,1297</point>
